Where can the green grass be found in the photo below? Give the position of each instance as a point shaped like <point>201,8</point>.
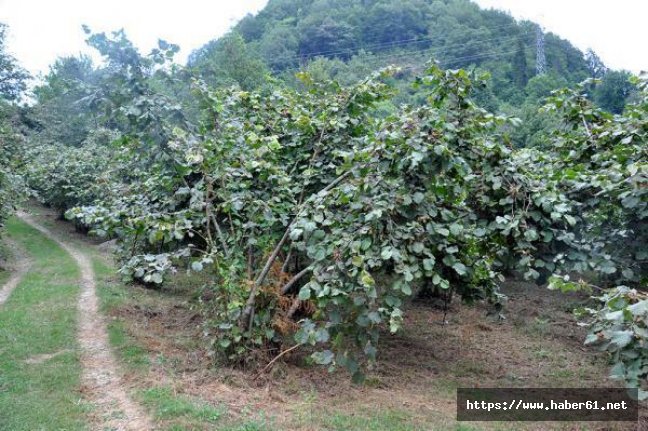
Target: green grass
<point>40,319</point>
<point>111,296</point>
<point>168,405</point>
<point>5,256</point>
<point>4,276</point>
<point>387,420</point>
<point>171,411</point>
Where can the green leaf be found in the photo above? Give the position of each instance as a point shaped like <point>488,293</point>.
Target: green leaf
<point>418,247</point>
<point>386,253</point>
<point>304,293</point>
<point>323,358</point>
<point>296,233</point>
<point>358,378</point>
<point>531,235</point>
<point>460,268</point>
<point>442,231</point>
<point>571,220</point>
<point>621,338</point>
<point>428,264</point>
<point>366,279</point>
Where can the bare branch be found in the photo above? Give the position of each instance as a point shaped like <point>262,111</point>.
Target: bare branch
<point>295,279</point>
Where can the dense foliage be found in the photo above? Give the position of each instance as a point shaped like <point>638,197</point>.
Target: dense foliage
<point>620,327</point>
<point>319,216</point>
<point>12,84</point>
<point>9,181</point>
<point>603,161</point>
<point>319,210</point>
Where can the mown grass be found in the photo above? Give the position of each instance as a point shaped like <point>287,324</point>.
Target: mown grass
<point>40,392</point>
<point>168,405</point>
<point>4,276</point>
<point>388,420</point>
<point>5,256</point>
<point>178,412</point>
<point>171,411</point>
<point>175,411</point>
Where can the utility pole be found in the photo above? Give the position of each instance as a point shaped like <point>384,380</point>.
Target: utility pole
<point>541,60</point>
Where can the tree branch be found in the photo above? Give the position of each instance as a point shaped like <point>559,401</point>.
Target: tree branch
<point>276,358</point>
<point>249,304</point>
<point>295,279</point>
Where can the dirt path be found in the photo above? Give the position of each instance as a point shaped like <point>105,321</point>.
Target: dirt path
<point>19,268</point>
<point>102,382</point>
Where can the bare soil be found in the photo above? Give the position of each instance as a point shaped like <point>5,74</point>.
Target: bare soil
<point>102,382</point>
<point>538,344</point>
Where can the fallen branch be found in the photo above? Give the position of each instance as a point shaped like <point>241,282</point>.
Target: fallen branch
<point>276,358</point>
<point>295,279</point>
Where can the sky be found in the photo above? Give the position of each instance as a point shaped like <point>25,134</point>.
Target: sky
<point>615,29</point>
<point>42,30</point>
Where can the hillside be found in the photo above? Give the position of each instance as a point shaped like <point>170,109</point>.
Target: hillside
<point>345,40</point>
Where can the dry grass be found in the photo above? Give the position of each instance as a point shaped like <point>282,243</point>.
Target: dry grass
<point>411,388</point>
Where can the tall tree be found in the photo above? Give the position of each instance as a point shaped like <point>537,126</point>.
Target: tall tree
<point>12,77</point>
<point>60,111</point>
<point>520,67</point>
<point>595,65</point>
<point>230,61</point>
<point>613,91</point>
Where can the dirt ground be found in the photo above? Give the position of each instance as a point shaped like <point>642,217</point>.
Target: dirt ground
<point>537,344</point>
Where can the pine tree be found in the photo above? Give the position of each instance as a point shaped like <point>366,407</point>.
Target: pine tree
<point>520,67</point>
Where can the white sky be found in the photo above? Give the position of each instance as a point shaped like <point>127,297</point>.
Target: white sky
<point>41,30</point>
<point>615,29</point>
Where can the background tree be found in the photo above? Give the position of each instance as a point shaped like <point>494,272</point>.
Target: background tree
<point>12,85</point>
<point>613,91</point>
<point>12,77</point>
<point>520,66</point>
<point>229,61</point>
<point>597,69</point>
<point>61,110</point>
<point>291,33</point>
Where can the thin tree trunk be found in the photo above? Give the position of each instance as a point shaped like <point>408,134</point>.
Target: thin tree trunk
<point>295,279</point>
<point>249,304</point>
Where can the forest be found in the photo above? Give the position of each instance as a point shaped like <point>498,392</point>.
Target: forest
<point>299,199</point>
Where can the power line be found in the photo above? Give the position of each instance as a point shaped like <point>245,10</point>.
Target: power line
<point>375,38</point>
<point>385,45</point>
<point>436,50</point>
<point>491,54</point>
<point>427,51</point>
